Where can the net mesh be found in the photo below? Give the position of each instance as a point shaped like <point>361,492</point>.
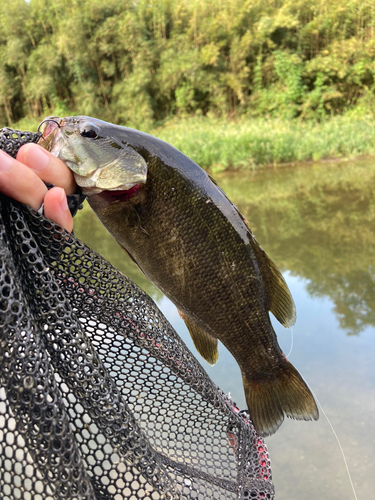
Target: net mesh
<point>99,397</point>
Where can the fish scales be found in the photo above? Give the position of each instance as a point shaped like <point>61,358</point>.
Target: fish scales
<point>190,240</point>
<point>195,269</point>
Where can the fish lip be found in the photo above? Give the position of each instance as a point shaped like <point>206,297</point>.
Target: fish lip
<point>83,181</point>
<point>116,195</point>
<point>46,137</point>
<point>54,119</point>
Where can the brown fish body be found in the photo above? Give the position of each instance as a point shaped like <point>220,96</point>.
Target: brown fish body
<point>194,245</point>
<point>198,260</point>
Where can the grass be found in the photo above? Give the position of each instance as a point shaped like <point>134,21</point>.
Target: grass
<point>248,143</point>
<point>245,144</point>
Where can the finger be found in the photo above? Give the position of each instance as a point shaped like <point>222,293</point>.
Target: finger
<point>20,182</point>
<point>47,167</point>
<point>56,208</point>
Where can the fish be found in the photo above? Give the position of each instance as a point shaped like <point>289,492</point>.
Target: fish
<point>192,242</point>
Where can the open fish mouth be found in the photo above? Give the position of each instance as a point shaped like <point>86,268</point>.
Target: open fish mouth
<point>99,161</point>
<point>47,126</point>
<point>117,195</point>
<point>52,138</point>
<point>93,184</point>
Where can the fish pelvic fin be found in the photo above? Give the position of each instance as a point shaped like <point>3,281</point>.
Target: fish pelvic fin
<point>279,299</point>
<point>206,344</point>
<point>269,401</point>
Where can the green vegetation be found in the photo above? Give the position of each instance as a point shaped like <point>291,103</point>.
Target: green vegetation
<point>246,143</point>
<point>262,72</point>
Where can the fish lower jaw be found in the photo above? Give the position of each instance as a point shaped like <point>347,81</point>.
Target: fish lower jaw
<point>92,185</point>
<point>87,191</point>
<point>116,195</point>
<point>125,190</point>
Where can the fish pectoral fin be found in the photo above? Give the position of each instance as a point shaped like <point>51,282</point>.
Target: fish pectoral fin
<point>279,299</point>
<point>205,343</point>
<point>132,258</point>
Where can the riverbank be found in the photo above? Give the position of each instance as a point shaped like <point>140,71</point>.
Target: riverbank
<point>249,143</point>
<point>246,144</point>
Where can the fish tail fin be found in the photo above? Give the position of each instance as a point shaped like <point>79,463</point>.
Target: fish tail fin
<point>272,399</point>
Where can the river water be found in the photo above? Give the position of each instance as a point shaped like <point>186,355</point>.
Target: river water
<point>317,222</point>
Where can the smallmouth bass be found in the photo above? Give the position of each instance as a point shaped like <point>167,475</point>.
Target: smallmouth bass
<point>191,241</point>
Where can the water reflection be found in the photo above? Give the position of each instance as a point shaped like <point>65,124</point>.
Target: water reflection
<point>318,222</point>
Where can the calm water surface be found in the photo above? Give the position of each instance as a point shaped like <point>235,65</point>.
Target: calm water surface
<point>317,222</point>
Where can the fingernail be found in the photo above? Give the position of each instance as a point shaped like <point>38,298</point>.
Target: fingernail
<point>36,157</point>
<point>6,162</point>
<point>63,200</point>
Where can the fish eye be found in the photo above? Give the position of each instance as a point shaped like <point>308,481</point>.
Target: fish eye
<point>89,130</point>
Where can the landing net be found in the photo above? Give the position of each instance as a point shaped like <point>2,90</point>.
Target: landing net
<point>99,397</point>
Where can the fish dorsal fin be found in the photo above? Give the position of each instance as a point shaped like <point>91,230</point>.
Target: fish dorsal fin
<point>205,343</point>
<point>279,299</point>
<point>213,180</point>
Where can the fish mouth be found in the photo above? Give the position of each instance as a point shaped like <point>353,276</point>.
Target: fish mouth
<point>48,128</point>
<point>49,124</point>
<point>117,195</point>
<point>92,184</point>
<point>96,168</point>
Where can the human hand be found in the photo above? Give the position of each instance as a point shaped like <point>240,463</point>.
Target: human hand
<point>22,179</point>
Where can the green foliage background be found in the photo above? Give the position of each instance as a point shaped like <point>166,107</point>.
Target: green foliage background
<point>140,62</point>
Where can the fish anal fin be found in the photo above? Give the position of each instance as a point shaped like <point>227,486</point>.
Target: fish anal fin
<point>279,299</point>
<point>269,401</point>
<point>206,344</point>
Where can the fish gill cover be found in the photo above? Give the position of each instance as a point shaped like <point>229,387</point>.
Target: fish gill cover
<point>99,397</point>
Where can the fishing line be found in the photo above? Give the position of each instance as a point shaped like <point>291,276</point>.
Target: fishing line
<point>291,342</point>
<point>329,422</point>
<point>338,442</point>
